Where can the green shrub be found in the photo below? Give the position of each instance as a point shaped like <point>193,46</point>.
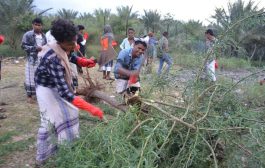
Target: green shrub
<point>6,51</point>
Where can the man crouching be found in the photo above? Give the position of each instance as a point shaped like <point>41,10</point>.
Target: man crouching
<point>127,68</point>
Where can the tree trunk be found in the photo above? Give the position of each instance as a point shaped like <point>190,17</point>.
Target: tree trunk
<point>111,101</point>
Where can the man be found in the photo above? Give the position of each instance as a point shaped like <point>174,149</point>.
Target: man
<point>127,68</point>
<point>107,53</point>
<point>32,43</point>
<point>2,116</point>
<point>211,61</point>
<point>129,41</point>
<point>81,41</point>
<point>163,53</point>
<point>151,51</point>
<point>2,39</point>
<point>59,121</point>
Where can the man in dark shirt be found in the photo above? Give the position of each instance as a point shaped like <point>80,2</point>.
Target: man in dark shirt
<point>81,41</point>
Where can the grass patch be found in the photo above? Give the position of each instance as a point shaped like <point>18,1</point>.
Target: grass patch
<point>6,51</point>
<point>254,95</point>
<point>189,60</point>
<point>193,60</point>
<point>233,63</point>
<point>7,147</point>
<point>7,136</point>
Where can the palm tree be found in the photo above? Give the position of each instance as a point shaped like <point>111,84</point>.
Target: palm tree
<point>102,16</point>
<point>67,14</point>
<point>239,32</point>
<point>125,13</point>
<point>85,15</point>
<point>151,19</point>
<point>168,20</point>
<point>14,15</point>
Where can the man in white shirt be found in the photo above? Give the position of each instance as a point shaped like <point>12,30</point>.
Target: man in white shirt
<point>129,41</point>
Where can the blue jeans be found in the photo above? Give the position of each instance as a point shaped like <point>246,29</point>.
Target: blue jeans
<point>165,58</point>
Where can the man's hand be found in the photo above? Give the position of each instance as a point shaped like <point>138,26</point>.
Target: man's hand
<point>84,62</point>
<point>77,47</point>
<point>93,110</point>
<point>262,81</point>
<point>38,48</point>
<point>133,77</point>
<point>2,39</point>
<point>85,35</point>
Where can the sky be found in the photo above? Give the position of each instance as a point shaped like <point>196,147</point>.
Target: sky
<point>183,10</point>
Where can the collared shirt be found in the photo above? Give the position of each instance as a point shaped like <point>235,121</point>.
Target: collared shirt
<point>29,44</point>
<point>126,61</point>
<point>126,44</point>
<point>50,73</point>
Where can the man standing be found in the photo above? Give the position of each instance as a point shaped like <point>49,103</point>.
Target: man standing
<point>128,66</point>
<point>81,41</point>
<point>129,41</point>
<point>107,53</point>
<point>32,43</point>
<point>2,116</point>
<point>163,53</point>
<point>211,61</point>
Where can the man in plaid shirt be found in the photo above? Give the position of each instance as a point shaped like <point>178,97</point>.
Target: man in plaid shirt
<point>55,93</point>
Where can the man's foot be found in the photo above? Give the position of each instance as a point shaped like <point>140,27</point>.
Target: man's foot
<point>31,100</point>
<point>261,82</point>
<point>3,103</point>
<point>3,116</point>
<point>109,78</point>
<point>2,110</point>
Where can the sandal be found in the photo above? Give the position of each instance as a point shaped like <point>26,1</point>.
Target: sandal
<point>109,78</point>
<point>2,110</point>
<point>2,116</point>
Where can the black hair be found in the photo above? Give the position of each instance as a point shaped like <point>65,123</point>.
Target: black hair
<point>63,30</point>
<point>165,33</point>
<point>140,42</point>
<point>81,27</point>
<point>130,28</point>
<point>209,31</point>
<point>37,20</point>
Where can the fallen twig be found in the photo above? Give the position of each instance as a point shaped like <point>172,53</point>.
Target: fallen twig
<point>173,117</point>
<point>211,149</point>
<point>138,125</point>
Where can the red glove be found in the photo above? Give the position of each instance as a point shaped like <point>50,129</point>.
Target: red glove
<point>114,43</point>
<point>77,47</point>
<point>133,79</point>
<point>216,64</point>
<point>84,62</point>
<point>82,104</point>
<point>85,36</point>
<point>2,39</point>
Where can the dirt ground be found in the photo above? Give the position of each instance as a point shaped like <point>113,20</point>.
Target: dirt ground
<point>23,118</point>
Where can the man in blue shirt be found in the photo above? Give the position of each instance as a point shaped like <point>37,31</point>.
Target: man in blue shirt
<point>127,68</point>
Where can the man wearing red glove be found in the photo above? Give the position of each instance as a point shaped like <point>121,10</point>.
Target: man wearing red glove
<point>128,67</point>
<point>2,39</point>
<point>54,90</point>
<point>81,41</point>
<point>2,116</point>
